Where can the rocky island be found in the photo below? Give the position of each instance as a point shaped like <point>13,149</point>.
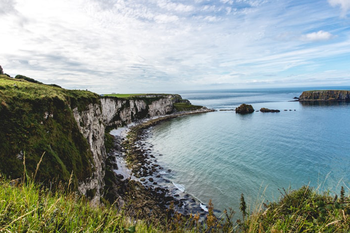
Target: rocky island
<point>325,95</point>
<point>268,110</point>
<point>244,109</point>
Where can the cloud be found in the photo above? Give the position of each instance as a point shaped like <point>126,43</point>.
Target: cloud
<point>344,5</point>
<point>170,6</point>
<point>7,7</point>
<point>121,46</point>
<point>318,36</point>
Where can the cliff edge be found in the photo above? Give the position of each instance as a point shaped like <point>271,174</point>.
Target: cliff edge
<point>68,127</point>
<point>325,95</point>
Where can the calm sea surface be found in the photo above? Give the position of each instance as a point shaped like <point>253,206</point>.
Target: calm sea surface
<point>222,154</point>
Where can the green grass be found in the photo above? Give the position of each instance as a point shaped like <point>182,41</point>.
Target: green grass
<point>302,210</point>
<point>186,107</point>
<point>29,208</point>
<point>38,118</point>
<point>123,96</point>
<point>130,96</point>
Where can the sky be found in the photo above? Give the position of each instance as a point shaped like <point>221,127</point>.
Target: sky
<point>136,46</point>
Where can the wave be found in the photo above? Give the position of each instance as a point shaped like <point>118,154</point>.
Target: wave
<point>204,207</point>
<point>179,186</point>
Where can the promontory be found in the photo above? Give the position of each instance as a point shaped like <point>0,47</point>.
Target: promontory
<point>325,95</point>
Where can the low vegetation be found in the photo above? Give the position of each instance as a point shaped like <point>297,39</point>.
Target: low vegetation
<point>131,96</point>
<point>38,118</point>
<point>180,107</point>
<point>27,207</point>
<point>302,210</point>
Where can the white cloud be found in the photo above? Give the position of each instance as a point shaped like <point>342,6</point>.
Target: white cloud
<point>170,6</point>
<point>7,6</point>
<point>318,36</point>
<point>166,18</point>
<point>122,46</point>
<point>344,5</point>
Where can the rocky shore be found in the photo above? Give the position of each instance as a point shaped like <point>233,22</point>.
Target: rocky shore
<point>140,183</point>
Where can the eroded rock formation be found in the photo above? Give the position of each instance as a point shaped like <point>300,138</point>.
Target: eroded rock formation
<point>244,109</point>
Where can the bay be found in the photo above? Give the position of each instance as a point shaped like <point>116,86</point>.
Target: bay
<point>222,154</point>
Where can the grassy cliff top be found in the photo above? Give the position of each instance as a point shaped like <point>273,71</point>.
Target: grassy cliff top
<point>19,88</point>
<point>37,119</point>
<point>326,91</point>
<point>133,96</point>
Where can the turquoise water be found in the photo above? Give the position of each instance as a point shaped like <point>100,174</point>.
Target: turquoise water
<point>222,154</point>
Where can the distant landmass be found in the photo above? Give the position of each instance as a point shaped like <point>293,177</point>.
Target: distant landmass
<point>325,95</point>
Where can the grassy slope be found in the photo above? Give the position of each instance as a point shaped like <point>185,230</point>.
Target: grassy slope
<point>302,210</point>
<point>27,208</point>
<point>25,131</point>
<point>186,107</point>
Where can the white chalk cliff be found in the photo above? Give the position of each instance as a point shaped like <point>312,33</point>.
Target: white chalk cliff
<point>114,112</point>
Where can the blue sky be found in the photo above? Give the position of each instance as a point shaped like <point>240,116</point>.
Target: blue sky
<point>163,45</point>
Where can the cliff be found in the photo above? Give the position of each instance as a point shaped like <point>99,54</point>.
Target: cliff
<point>69,127</point>
<point>325,95</point>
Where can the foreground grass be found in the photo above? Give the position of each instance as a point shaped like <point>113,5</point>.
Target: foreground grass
<point>27,208</point>
<point>302,210</point>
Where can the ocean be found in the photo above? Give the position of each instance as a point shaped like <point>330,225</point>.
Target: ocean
<point>220,155</point>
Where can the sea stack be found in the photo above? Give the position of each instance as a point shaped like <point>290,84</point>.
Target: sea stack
<point>244,109</point>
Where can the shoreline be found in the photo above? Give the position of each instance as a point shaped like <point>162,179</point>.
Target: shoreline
<point>135,161</point>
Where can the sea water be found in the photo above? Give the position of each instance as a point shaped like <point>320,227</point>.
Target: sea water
<point>221,155</point>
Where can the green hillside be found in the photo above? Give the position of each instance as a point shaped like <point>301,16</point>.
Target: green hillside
<point>37,118</point>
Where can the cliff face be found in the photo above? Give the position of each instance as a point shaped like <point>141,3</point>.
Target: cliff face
<point>113,112</point>
<point>69,127</point>
<point>325,95</point>
<point>118,112</point>
<point>91,125</point>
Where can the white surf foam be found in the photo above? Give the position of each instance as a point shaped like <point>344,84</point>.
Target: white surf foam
<point>179,187</point>
<point>204,207</point>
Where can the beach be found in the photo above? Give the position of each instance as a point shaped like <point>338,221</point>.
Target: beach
<point>134,163</point>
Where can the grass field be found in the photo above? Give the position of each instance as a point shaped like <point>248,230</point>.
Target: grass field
<point>129,96</point>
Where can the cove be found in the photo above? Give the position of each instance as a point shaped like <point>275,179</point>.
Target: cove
<point>220,155</point>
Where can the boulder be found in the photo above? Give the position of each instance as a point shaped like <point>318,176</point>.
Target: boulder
<point>268,110</point>
<point>244,109</point>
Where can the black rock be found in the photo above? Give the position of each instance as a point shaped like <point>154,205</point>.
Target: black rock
<point>244,109</point>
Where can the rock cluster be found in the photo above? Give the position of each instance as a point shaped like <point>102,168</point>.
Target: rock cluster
<point>268,110</point>
<point>244,109</point>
